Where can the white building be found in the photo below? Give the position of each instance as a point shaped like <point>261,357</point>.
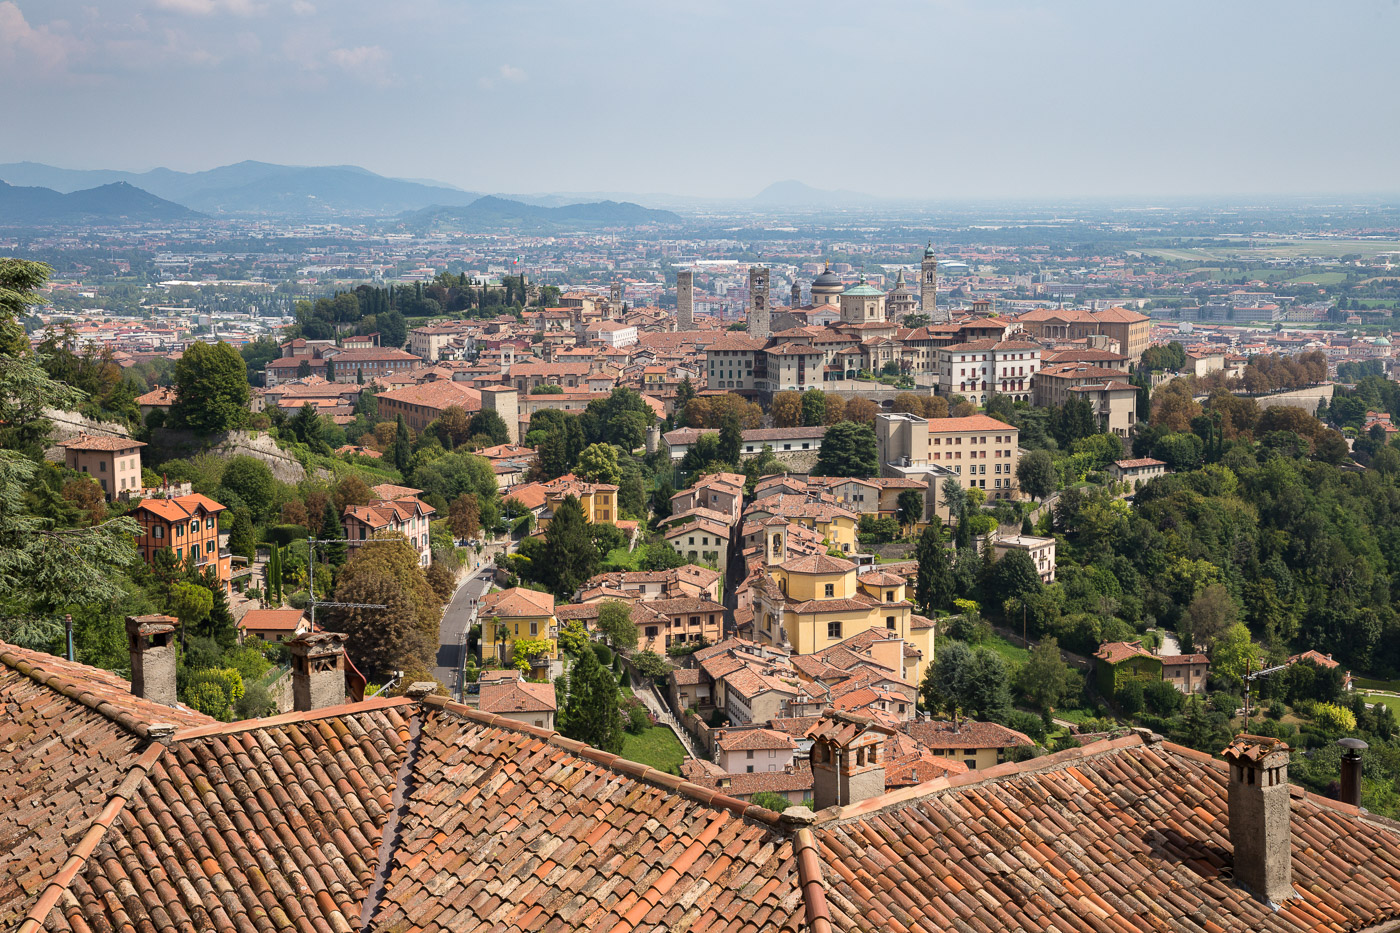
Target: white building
<point>978,369</point>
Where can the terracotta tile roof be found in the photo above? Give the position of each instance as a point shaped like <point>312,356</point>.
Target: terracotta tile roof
<point>180,508</point>
<point>818,563</point>
<point>71,738</point>
<point>1177,660</point>
<point>1116,652</point>
<point>739,740</point>
<point>517,697</point>
<point>1138,462</point>
<point>439,395</point>
<point>517,602</point>
<point>966,734</point>
<point>969,423</point>
<point>390,491</point>
<point>286,620</point>
<point>100,442</point>
<point>511,828</point>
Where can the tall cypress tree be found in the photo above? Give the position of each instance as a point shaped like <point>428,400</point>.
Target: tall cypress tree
<point>934,583</point>
<point>332,530</point>
<point>403,450</point>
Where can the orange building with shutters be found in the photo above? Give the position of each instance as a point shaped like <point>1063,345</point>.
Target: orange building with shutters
<point>189,526</point>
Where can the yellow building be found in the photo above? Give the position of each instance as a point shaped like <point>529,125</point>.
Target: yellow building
<point>835,524</point>
<point>598,500</point>
<point>808,604</point>
<point>510,615</point>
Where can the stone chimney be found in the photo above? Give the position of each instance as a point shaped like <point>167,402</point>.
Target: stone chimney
<point>848,759</point>
<point>151,640</point>
<point>318,670</point>
<point>1259,816</point>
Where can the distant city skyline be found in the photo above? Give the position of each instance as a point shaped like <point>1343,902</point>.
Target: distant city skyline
<point>933,100</point>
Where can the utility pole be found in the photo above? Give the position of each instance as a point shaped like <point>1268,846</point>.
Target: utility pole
<point>311,574</point>
<point>1249,678</point>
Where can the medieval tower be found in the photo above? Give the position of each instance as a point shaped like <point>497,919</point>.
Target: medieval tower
<point>758,304</point>
<point>685,300</point>
<point>928,287</point>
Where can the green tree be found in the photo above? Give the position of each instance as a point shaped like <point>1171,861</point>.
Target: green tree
<point>211,389</point>
<point>973,680</point>
<point>252,482</point>
<point>769,800</point>
<point>1036,474</point>
<point>490,423</point>
<point>241,538</point>
<point>814,414</point>
<point>1014,577</point>
<point>569,556</point>
<point>848,449</point>
<point>910,507</point>
<point>591,713</point>
<point>332,530</point>
<point>404,634</point>
<point>598,464</point>
<point>403,446</point>
<point>616,626</point>
<point>1233,654</point>
<point>934,586</point>
<point>1045,680</point>
<point>651,665</point>
<point>20,281</point>
<point>731,438</point>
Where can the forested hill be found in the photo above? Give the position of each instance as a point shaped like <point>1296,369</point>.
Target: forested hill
<point>117,202</point>
<point>493,213</point>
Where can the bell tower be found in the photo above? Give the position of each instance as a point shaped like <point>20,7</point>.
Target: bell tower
<point>928,287</point>
<point>759,310</point>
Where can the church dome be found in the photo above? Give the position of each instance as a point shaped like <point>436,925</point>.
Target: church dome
<point>928,250</point>
<point>828,279</point>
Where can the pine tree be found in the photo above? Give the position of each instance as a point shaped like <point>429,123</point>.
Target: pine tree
<point>731,438</point>
<point>591,714</point>
<point>241,540</point>
<point>403,448</point>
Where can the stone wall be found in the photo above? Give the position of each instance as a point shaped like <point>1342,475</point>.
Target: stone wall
<point>69,424</point>
<point>167,444</point>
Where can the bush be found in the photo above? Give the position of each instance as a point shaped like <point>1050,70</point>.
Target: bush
<point>1029,723</point>
<point>652,665</point>
<point>1161,698</point>
<point>283,535</point>
<point>603,653</point>
<point>1130,696</point>
<point>770,801</point>
<point>638,720</point>
<point>1334,719</point>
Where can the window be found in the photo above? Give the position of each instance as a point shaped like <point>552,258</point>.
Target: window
<point>830,590</point>
<point>889,623</point>
<point>833,630</point>
<point>194,527</point>
<point>159,531</point>
<point>102,466</point>
<point>534,628</point>
<point>889,596</point>
<point>209,547</point>
<point>748,755</point>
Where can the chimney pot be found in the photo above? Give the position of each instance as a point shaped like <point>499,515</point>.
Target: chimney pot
<point>1259,816</point>
<point>318,670</point>
<point>420,689</point>
<point>1351,769</point>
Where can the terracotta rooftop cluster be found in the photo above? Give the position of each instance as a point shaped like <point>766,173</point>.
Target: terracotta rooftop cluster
<point>408,815</point>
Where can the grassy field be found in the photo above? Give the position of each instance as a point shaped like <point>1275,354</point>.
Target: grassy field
<point>657,747</point>
<point>623,559</point>
<point>1319,278</point>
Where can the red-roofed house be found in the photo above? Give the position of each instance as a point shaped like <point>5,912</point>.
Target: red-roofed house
<point>114,462</point>
<point>272,624</point>
<point>188,525</point>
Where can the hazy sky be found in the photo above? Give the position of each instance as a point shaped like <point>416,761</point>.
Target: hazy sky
<point>922,98</point>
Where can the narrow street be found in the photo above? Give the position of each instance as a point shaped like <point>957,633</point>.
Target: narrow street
<point>457,618</point>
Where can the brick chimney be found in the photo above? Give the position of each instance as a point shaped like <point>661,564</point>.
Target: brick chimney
<point>1259,816</point>
<point>848,759</point>
<point>151,640</point>
<point>318,670</point>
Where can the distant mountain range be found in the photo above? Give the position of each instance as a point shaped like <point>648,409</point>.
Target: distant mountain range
<point>258,188</point>
<point>796,194</point>
<point>493,213</point>
<point>114,203</point>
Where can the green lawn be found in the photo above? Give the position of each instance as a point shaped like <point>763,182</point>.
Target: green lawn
<point>624,559</point>
<point>657,747</point>
<point>1371,683</point>
<point>1319,278</point>
<point>1392,702</point>
<point>1010,653</point>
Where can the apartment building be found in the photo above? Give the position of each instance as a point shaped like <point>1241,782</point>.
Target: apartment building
<point>405,513</point>
<point>979,369</point>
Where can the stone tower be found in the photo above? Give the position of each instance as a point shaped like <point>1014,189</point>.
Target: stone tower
<point>900,300</point>
<point>685,300</point>
<point>796,294</point>
<point>615,300</point>
<point>759,310</point>
<point>928,287</point>
<point>848,759</point>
